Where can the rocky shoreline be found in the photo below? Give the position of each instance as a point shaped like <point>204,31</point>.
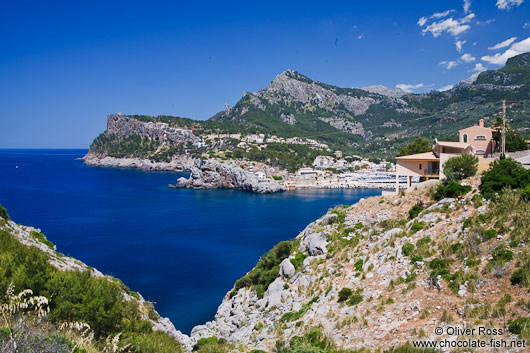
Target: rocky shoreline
<point>214,175</point>
<point>179,164</point>
<point>203,174</point>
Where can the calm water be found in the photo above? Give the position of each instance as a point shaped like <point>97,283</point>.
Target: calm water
<point>182,249</point>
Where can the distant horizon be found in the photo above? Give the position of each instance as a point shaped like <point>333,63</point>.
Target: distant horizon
<point>65,66</point>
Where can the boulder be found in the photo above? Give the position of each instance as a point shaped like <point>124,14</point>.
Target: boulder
<point>315,244</point>
<point>286,268</point>
<point>329,219</point>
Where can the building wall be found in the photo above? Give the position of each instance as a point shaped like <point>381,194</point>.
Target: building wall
<point>411,168</point>
<point>472,133</point>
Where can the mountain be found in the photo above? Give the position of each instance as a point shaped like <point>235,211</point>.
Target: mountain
<point>373,121</point>
<point>368,118</point>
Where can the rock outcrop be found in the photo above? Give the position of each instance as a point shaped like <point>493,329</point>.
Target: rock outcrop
<point>215,175</point>
<point>178,163</point>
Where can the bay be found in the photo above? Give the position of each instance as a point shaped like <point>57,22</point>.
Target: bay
<point>182,249</point>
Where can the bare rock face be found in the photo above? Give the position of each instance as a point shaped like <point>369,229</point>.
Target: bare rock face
<point>124,126</point>
<point>215,175</point>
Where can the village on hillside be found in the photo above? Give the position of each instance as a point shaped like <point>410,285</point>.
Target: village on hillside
<point>334,170</point>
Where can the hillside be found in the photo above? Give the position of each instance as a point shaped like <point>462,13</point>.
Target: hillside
<point>52,303</point>
<point>373,121</point>
<point>377,118</point>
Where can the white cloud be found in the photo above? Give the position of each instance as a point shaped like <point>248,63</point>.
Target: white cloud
<point>409,88</point>
<point>467,5</point>
<point>445,88</point>
<point>361,36</point>
<point>516,49</point>
<point>449,25</point>
<point>422,21</point>
<point>479,67</point>
<point>467,58</point>
<point>459,44</point>
<point>449,64</point>
<point>441,14</point>
<point>526,25</point>
<point>508,4</point>
<point>503,44</point>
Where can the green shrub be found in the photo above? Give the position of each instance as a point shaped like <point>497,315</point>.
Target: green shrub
<point>505,173</point>
<point>518,325</point>
<point>3,213</point>
<point>461,167</point>
<point>417,226</point>
<point>490,233</point>
<point>423,241</point>
<point>415,259</point>
<point>456,247</point>
<point>502,255</point>
<point>407,249</point>
<point>439,267</point>
<point>525,193</point>
<point>355,299</point>
<point>358,225</point>
<point>298,260</point>
<point>415,211</point>
<point>277,177</point>
<point>358,265</point>
<point>451,189</point>
<point>344,294</point>
<point>518,276</point>
<point>41,238</point>
<point>267,269</point>
<point>212,345</point>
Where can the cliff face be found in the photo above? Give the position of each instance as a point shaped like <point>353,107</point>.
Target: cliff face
<point>123,126</point>
<point>367,276</point>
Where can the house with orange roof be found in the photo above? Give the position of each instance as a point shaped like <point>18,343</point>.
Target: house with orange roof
<point>480,137</point>
<point>477,140</point>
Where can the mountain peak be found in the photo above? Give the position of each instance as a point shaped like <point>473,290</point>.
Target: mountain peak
<point>385,91</point>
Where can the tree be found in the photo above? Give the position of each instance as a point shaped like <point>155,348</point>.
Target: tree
<point>419,145</point>
<point>461,167</point>
<point>3,213</point>
<point>504,173</point>
<point>515,142</point>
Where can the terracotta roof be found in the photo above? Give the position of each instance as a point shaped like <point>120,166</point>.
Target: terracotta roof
<point>430,156</point>
<point>475,126</point>
<point>453,144</point>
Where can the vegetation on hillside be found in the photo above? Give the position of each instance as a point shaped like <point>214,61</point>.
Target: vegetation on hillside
<point>419,145</point>
<point>77,297</point>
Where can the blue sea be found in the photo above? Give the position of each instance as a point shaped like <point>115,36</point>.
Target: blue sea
<point>182,249</point>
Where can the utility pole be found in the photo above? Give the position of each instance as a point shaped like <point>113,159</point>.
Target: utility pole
<point>503,133</point>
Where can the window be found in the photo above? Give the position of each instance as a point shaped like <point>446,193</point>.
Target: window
<point>480,137</point>
<point>480,152</point>
<point>464,138</point>
<point>420,166</point>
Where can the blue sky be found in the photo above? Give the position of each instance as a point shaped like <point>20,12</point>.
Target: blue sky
<point>65,65</point>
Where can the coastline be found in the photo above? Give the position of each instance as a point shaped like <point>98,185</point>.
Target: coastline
<point>189,164</point>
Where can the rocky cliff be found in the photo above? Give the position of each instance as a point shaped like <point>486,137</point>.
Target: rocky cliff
<point>371,276</point>
<point>215,175</point>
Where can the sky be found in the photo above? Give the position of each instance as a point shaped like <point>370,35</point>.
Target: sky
<point>65,65</point>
